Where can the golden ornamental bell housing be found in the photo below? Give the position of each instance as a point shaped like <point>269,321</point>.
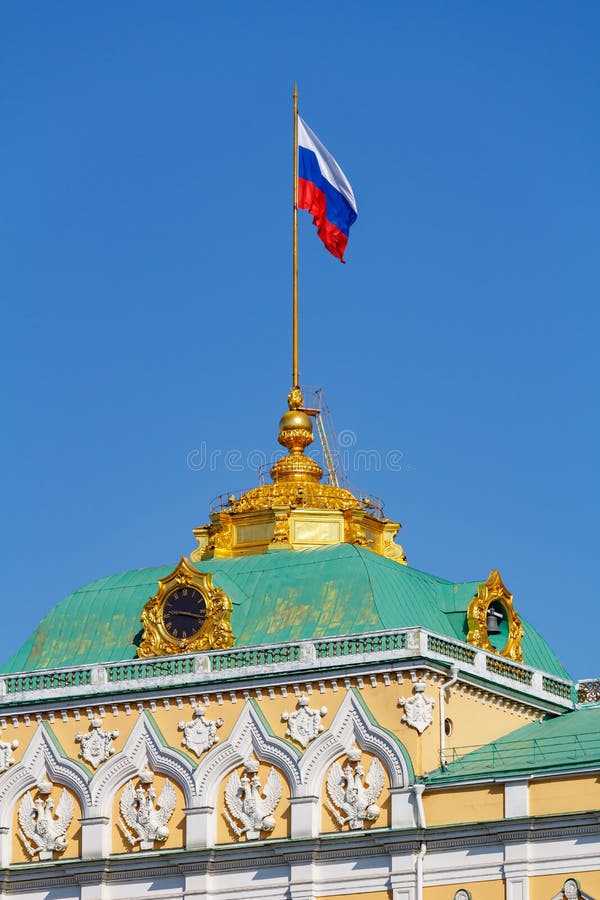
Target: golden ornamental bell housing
<point>297,510</point>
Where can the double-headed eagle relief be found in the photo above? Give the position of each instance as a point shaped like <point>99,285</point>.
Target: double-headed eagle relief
<point>352,793</point>
<point>43,830</point>
<point>245,803</point>
<point>143,817</point>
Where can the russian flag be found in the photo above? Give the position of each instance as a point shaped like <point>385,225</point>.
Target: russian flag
<point>324,191</point>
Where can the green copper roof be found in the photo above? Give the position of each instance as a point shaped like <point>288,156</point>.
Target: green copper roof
<point>569,741</point>
<point>279,596</point>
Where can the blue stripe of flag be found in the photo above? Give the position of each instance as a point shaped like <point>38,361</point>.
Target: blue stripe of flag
<point>339,211</point>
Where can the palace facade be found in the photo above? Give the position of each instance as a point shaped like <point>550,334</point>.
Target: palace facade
<point>291,711</point>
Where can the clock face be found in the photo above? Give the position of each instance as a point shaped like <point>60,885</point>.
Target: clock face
<point>184,613</point>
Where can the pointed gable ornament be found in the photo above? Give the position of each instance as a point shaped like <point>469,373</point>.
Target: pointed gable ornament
<point>304,725</point>
<point>96,745</point>
<point>418,708</point>
<point>201,733</point>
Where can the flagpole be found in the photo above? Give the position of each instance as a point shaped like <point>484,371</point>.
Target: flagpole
<point>295,376</point>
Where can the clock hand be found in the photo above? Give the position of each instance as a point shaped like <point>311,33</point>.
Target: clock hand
<point>182,612</point>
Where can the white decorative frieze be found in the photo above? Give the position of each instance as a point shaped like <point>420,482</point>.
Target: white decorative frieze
<point>42,830</point>
<point>352,793</point>
<point>249,803</point>
<point>6,757</point>
<point>418,708</point>
<point>304,725</point>
<point>143,817</point>
<point>201,733</point>
<point>96,746</point>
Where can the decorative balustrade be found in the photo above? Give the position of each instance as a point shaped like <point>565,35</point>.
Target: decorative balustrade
<point>499,666</point>
<point>360,644</point>
<point>588,690</point>
<point>450,649</point>
<point>275,659</point>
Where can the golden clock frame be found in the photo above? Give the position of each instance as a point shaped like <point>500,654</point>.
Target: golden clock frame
<point>491,590</point>
<point>215,633</point>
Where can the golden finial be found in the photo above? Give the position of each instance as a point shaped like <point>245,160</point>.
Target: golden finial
<point>296,433</point>
<point>295,398</point>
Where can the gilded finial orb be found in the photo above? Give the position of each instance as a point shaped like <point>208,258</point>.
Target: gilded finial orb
<point>295,426</point>
<point>296,433</point>
<point>290,424</point>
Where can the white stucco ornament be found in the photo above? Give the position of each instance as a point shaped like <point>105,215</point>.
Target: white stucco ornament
<point>249,804</point>
<point>201,733</point>
<point>41,829</point>
<point>143,817</point>
<point>353,792</point>
<point>418,708</point>
<point>304,725</point>
<point>6,757</point>
<point>96,746</point>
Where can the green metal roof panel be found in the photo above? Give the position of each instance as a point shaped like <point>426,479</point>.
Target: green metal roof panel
<point>567,742</point>
<point>279,596</point>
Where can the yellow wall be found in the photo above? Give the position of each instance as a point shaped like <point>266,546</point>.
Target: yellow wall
<point>574,794</point>
<point>479,890</point>
<point>466,804</point>
<point>373,895</point>
<point>328,820</point>
<point>73,835</point>
<point>474,722</point>
<point>176,823</point>
<point>544,887</point>
<point>282,812</point>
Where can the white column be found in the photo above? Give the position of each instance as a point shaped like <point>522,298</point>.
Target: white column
<point>197,885</point>
<point>95,837</point>
<point>306,812</point>
<point>200,830</point>
<point>516,799</point>
<point>5,847</point>
<point>93,891</point>
<point>404,812</point>
<point>302,880</point>
<point>516,870</point>
<point>517,888</point>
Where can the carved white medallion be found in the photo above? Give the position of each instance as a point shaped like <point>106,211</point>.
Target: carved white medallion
<point>249,803</point>
<point>6,757</point>
<point>41,829</point>
<point>305,723</point>
<point>201,733</point>
<point>354,793</point>
<point>417,709</point>
<point>571,889</point>
<point>143,817</point>
<point>96,746</point>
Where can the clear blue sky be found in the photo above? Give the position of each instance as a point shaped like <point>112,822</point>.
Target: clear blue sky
<point>145,166</point>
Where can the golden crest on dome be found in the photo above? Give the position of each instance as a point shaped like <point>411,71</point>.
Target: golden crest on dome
<point>494,625</point>
<point>188,614</point>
